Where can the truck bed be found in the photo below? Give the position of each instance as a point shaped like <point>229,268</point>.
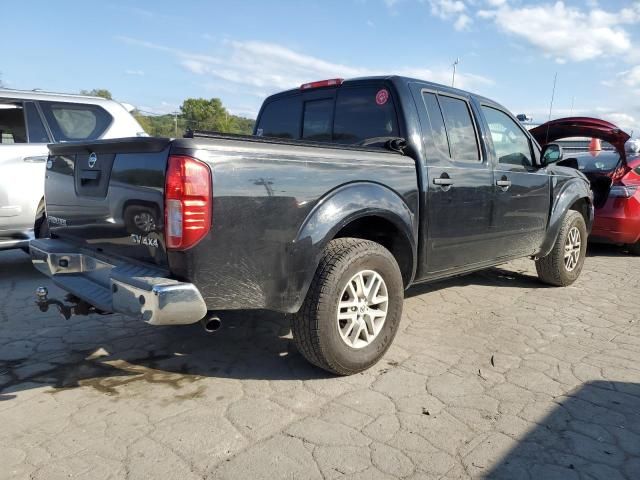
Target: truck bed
<point>264,192</point>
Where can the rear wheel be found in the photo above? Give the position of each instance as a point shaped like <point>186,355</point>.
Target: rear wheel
<point>42,227</point>
<point>353,308</point>
<point>634,248</point>
<point>562,266</point>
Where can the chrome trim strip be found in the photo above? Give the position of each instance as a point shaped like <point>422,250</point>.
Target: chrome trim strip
<point>155,300</point>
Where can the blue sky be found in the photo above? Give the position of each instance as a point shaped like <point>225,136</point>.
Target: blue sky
<point>154,54</point>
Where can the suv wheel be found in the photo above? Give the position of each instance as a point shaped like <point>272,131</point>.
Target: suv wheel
<point>562,266</point>
<point>353,308</point>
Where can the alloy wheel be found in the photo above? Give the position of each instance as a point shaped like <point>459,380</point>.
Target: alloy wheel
<point>572,249</point>
<point>362,309</point>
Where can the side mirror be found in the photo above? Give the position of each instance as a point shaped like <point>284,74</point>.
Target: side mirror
<point>551,153</point>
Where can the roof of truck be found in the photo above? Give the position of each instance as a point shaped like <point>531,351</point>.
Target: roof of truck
<point>395,79</point>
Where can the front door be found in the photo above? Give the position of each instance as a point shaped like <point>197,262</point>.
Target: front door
<point>522,190</point>
<point>460,187</point>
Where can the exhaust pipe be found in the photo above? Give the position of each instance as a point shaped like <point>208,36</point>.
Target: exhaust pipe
<point>211,323</point>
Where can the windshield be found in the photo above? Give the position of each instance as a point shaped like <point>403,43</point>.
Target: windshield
<point>600,162</point>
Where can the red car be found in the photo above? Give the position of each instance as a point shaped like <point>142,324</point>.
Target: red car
<point>614,176</point>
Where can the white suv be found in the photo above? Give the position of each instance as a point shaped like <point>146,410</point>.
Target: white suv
<point>29,120</point>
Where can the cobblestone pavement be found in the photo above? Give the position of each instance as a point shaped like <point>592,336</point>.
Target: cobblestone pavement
<point>492,375</point>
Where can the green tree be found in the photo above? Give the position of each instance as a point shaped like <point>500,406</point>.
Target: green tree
<point>196,114</point>
<point>203,114</point>
<point>98,92</point>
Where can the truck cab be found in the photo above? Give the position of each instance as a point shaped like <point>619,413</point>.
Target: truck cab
<point>485,193</point>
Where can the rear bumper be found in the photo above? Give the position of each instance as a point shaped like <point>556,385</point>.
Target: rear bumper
<point>119,287</point>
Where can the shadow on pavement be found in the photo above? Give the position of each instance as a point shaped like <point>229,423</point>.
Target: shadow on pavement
<point>593,433</point>
<point>494,277</point>
<point>606,250</point>
<point>107,351</point>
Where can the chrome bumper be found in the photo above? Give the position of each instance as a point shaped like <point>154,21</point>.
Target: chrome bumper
<point>114,286</point>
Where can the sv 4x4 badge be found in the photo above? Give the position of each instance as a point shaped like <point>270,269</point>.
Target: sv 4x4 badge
<point>140,240</point>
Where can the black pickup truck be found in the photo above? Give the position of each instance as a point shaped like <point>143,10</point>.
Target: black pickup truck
<point>348,193</point>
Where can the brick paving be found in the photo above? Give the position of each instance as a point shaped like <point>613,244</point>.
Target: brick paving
<point>492,375</point>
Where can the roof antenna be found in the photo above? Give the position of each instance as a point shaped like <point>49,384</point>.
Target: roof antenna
<point>454,65</point>
<point>573,100</point>
<point>553,94</point>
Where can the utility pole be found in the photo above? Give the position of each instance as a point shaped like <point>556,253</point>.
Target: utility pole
<point>455,64</point>
<point>175,123</point>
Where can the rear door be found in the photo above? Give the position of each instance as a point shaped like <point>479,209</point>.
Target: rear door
<point>23,153</point>
<point>457,224</point>
<point>522,188</point>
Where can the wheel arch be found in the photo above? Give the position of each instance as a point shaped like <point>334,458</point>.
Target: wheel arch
<point>362,210</point>
<point>574,195</point>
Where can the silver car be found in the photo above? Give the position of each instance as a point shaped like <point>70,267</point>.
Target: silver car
<point>29,120</point>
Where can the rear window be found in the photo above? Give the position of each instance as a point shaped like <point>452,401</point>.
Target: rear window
<point>438,131</point>
<point>281,119</point>
<point>360,113</point>
<point>12,127</point>
<point>317,120</point>
<point>364,112</point>
<point>462,134</point>
<point>71,121</point>
<point>602,162</point>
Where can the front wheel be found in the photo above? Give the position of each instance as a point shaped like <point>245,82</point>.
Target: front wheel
<point>353,308</point>
<point>562,266</point>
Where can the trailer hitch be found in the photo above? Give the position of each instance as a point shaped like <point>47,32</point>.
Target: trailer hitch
<point>76,307</point>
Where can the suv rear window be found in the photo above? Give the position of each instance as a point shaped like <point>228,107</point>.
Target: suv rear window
<point>73,121</point>
<point>12,128</point>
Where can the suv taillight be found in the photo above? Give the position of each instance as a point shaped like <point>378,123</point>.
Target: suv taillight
<point>187,202</point>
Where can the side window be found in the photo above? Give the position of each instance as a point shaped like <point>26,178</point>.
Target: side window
<point>281,119</point>
<point>12,125</point>
<point>438,131</point>
<point>509,141</point>
<point>316,125</point>
<point>362,113</point>
<point>462,135</point>
<point>37,132</point>
<point>74,121</point>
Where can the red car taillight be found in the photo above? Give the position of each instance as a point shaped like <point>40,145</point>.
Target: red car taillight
<point>187,202</point>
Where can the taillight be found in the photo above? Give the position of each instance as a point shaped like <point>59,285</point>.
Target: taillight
<point>187,201</point>
<point>333,82</point>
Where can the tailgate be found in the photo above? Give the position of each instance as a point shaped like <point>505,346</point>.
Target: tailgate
<point>108,196</point>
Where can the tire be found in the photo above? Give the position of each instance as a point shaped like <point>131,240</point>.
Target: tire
<point>42,227</point>
<point>634,248</point>
<point>554,269</point>
<point>316,327</point>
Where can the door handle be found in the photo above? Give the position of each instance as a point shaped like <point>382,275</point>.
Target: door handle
<point>35,159</point>
<point>443,180</point>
